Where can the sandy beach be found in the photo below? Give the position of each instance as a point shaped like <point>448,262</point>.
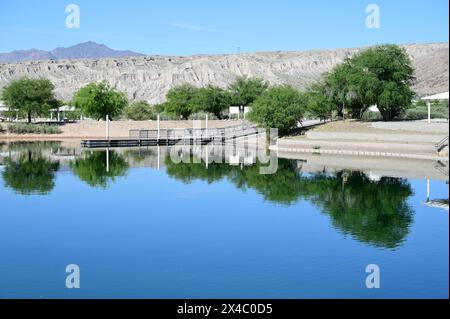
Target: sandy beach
<point>117,129</point>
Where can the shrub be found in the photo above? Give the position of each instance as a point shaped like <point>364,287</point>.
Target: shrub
<point>33,129</point>
<point>140,111</point>
<point>420,113</point>
<point>2,130</point>
<point>371,116</point>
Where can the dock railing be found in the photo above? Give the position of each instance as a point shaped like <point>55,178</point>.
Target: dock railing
<point>212,134</point>
<point>443,143</point>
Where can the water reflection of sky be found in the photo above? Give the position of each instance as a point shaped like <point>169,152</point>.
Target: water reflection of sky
<point>150,235</point>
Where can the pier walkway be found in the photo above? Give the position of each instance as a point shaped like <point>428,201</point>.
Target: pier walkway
<point>192,136</point>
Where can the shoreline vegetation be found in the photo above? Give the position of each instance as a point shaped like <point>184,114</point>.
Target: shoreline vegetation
<point>404,139</point>
<point>381,76</point>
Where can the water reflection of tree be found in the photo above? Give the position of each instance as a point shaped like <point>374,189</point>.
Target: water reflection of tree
<point>188,173</point>
<point>281,188</point>
<point>139,155</point>
<point>30,173</point>
<point>374,212</point>
<point>92,168</point>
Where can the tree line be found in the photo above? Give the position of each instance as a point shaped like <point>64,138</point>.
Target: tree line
<point>380,76</point>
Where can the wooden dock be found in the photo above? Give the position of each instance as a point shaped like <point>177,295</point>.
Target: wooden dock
<point>143,142</point>
<point>169,137</point>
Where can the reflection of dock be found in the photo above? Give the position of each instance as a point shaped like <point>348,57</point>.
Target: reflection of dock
<point>166,137</point>
<point>437,203</point>
<point>393,167</point>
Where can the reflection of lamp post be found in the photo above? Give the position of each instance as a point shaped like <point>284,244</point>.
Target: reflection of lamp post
<point>428,190</point>
<point>206,157</point>
<point>107,160</point>
<point>344,177</point>
<point>159,153</point>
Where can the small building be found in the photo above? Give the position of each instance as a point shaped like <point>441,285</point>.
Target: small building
<point>61,110</point>
<point>239,110</point>
<point>436,97</point>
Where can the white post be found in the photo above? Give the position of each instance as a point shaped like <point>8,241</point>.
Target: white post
<point>206,125</point>
<point>107,127</point>
<point>159,128</point>
<point>59,116</point>
<point>428,189</point>
<point>429,111</point>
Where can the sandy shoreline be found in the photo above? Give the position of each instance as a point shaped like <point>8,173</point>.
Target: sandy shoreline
<point>413,139</point>
<point>117,129</point>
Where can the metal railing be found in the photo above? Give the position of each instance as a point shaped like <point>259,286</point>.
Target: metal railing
<point>443,143</point>
<point>196,134</point>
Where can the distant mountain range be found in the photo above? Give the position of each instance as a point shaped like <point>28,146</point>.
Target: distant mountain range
<point>87,50</point>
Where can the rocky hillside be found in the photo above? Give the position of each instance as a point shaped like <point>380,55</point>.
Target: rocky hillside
<point>150,77</point>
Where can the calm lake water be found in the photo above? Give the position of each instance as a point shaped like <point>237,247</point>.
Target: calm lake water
<point>140,226</point>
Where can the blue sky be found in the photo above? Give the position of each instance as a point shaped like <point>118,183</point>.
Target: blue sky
<point>181,27</point>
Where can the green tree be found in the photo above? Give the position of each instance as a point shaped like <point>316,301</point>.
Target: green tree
<point>336,86</point>
<point>92,168</point>
<point>319,102</point>
<point>98,100</point>
<point>139,111</point>
<point>30,97</point>
<point>30,173</point>
<point>179,100</point>
<point>211,99</point>
<point>244,91</point>
<point>381,75</point>
<point>280,107</point>
<point>387,76</point>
